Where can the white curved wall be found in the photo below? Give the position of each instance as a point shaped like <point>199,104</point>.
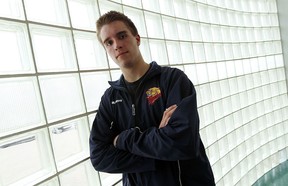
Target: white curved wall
<point>55,72</point>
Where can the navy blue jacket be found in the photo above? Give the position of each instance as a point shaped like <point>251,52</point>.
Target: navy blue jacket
<point>146,155</point>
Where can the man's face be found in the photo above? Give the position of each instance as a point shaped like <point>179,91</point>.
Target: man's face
<point>120,44</point>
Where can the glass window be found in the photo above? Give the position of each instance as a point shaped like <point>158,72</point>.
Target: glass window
<point>16,56</point>
<point>250,35</point>
<point>87,9</point>
<point>151,5</point>
<point>233,86</point>
<point>211,2</point>
<point>90,53</point>
<point>247,19</point>
<point>213,15</point>
<point>91,118</point>
<point>195,29</point>
<point>212,71</point>
<point>222,72</point>
<point>192,10</point>
<point>214,149</point>
<point>226,32</point>
<point>219,52</point>
<point>245,50</point>
<point>216,33</point>
<point>275,33</point>
<point>94,85</point>
<point>179,7</point>
<point>210,130</point>
<point>106,6</point>
<point>145,50</point>
<point>231,70</point>
<point>199,52</point>
<point>52,182</point>
<point>137,17</point>
<point>73,135</point>
<point>206,33</point>
<point>29,155</point>
<point>252,49</point>
<point>191,72</point>
<point>158,51</point>
<point>134,3</point>
<point>270,60</point>
<point>183,30</point>
<point>21,97</point>
<point>215,90</point>
<point>109,179</point>
<point>154,25</point>
<point>47,11</point>
<point>170,27</point>
<point>174,53</point>
<point>231,19</point>
<point>53,70</point>
<point>202,73</point>
<point>237,51</point>
<point>115,74</point>
<point>82,174</point>
<point>279,61</point>
<point>228,51</point>
<point>11,9</point>
<point>223,20</point>
<point>234,34</point>
<point>187,52</point>
<point>209,52</point>
<point>203,13</point>
<point>225,90</point>
<point>239,18</point>
<point>111,63</point>
<point>53,49</point>
<point>167,7</point>
<point>205,92</point>
<point>62,96</point>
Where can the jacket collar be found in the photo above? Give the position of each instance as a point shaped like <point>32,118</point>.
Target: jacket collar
<point>154,70</point>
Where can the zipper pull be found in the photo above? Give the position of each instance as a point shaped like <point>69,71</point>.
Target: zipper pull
<point>133,110</point>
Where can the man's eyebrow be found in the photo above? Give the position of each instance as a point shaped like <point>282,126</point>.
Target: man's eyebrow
<point>117,34</point>
<point>121,32</point>
<point>106,40</point>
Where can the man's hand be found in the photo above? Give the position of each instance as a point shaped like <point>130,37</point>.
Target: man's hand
<point>166,115</point>
<point>115,141</point>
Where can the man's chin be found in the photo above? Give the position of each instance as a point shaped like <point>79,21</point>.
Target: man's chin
<point>125,64</point>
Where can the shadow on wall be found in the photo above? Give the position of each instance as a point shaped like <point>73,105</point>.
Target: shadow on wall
<point>276,176</point>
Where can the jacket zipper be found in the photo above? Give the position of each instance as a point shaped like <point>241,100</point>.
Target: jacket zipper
<point>134,100</point>
<point>179,168</point>
<point>133,110</point>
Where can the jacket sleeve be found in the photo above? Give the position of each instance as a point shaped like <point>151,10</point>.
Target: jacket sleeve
<point>104,156</point>
<point>179,139</point>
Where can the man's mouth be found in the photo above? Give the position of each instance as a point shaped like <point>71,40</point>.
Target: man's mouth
<point>121,54</point>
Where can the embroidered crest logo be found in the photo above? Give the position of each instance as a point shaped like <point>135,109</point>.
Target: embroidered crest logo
<point>153,94</point>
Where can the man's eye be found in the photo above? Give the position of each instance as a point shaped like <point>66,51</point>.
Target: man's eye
<point>108,43</point>
<point>122,36</point>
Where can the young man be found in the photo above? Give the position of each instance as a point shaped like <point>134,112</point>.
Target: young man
<point>147,125</point>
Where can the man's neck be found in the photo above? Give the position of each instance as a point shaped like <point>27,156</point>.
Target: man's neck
<point>136,72</point>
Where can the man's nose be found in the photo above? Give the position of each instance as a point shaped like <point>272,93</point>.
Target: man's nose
<point>117,45</point>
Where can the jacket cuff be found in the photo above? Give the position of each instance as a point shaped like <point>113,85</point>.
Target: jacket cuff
<point>125,137</point>
<point>120,141</point>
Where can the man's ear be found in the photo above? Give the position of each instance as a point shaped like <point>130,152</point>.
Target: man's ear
<point>138,39</point>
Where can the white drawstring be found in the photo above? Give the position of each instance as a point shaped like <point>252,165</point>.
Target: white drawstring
<point>179,168</point>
